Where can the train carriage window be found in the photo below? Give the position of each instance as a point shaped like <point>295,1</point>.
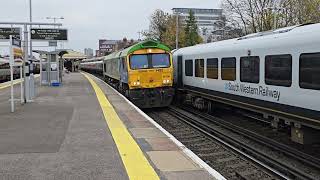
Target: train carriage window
<point>199,68</point>
<point>309,72</point>
<point>212,68</point>
<point>278,70</point>
<point>250,69</point>
<point>189,68</point>
<point>228,69</point>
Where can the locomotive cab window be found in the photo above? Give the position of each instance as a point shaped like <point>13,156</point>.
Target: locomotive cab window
<point>199,68</point>
<point>278,70</point>
<point>309,72</point>
<point>250,69</point>
<point>228,69</point>
<point>212,68</point>
<point>160,60</point>
<point>149,61</point>
<point>189,68</point>
<point>139,61</point>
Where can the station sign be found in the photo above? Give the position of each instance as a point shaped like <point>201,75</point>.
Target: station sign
<point>16,42</point>
<point>49,34</point>
<point>107,45</point>
<point>5,33</point>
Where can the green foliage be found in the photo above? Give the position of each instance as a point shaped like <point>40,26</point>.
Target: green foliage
<point>192,36</point>
<point>163,28</point>
<point>158,26</point>
<point>170,34</point>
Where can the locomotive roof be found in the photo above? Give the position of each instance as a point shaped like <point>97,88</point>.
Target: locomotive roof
<point>141,45</point>
<point>283,37</point>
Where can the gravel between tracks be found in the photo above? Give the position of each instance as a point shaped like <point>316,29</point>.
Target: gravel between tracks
<point>230,164</point>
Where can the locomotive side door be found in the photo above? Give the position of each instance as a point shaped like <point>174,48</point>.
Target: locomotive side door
<point>180,72</point>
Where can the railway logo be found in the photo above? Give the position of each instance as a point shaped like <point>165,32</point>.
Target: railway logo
<point>253,90</point>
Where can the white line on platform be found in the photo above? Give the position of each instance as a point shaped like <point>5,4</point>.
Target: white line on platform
<point>187,151</point>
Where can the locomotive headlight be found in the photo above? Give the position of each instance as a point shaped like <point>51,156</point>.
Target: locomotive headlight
<point>166,81</point>
<point>136,83</point>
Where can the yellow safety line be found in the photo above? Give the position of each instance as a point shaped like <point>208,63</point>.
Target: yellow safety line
<point>8,84</point>
<point>136,164</point>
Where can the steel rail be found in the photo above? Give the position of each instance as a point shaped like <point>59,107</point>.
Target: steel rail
<point>265,161</point>
<point>301,156</point>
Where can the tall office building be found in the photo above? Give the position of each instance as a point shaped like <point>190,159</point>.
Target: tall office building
<point>211,22</point>
<point>88,52</point>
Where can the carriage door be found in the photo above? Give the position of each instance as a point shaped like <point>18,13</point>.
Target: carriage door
<point>180,72</point>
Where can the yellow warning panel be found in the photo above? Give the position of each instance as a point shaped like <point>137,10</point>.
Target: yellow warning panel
<point>17,52</point>
<point>17,81</point>
<point>136,164</point>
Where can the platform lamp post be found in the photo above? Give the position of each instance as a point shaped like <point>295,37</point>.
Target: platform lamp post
<point>54,21</point>
<point>222,25</point>
<point>139,33</point>
<point>31,80</point>
<point>177,29</point>
<point>30,16</point>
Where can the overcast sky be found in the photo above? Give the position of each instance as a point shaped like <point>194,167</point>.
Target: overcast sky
<point>90,20</point>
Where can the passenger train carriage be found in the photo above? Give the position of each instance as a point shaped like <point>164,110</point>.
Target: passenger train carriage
<point>275,74</point>
<point>94,65</point>
<point>5,69</point>
<point>142,72</point>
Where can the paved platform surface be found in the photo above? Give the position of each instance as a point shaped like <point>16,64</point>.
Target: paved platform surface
<point>64,135</point>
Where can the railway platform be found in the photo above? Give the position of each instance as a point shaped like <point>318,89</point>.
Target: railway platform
<point>86,130</point>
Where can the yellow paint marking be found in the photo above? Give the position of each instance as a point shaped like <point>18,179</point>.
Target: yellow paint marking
<point>136,164</point>
<point>8,84</point>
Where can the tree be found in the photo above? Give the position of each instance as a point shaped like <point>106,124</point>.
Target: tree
<point>192,36</point>
<point>260,15</point>
<point>163,28</point>
<point>124,43</point>
<point>170,33</point>
<point>158,26</point>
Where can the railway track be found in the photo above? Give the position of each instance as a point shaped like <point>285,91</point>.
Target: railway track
<point>234,155</point>
<point>235,151</point>
<point>287,150</point>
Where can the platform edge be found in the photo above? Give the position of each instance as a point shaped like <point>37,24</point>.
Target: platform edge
<point>184,149</point>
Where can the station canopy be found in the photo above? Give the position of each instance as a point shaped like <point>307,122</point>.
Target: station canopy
<point>71,55</point>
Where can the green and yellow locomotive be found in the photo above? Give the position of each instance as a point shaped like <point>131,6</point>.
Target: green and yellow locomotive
<point>143,73</point>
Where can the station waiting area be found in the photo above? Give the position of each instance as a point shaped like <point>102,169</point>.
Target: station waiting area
<point>83,130</point>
